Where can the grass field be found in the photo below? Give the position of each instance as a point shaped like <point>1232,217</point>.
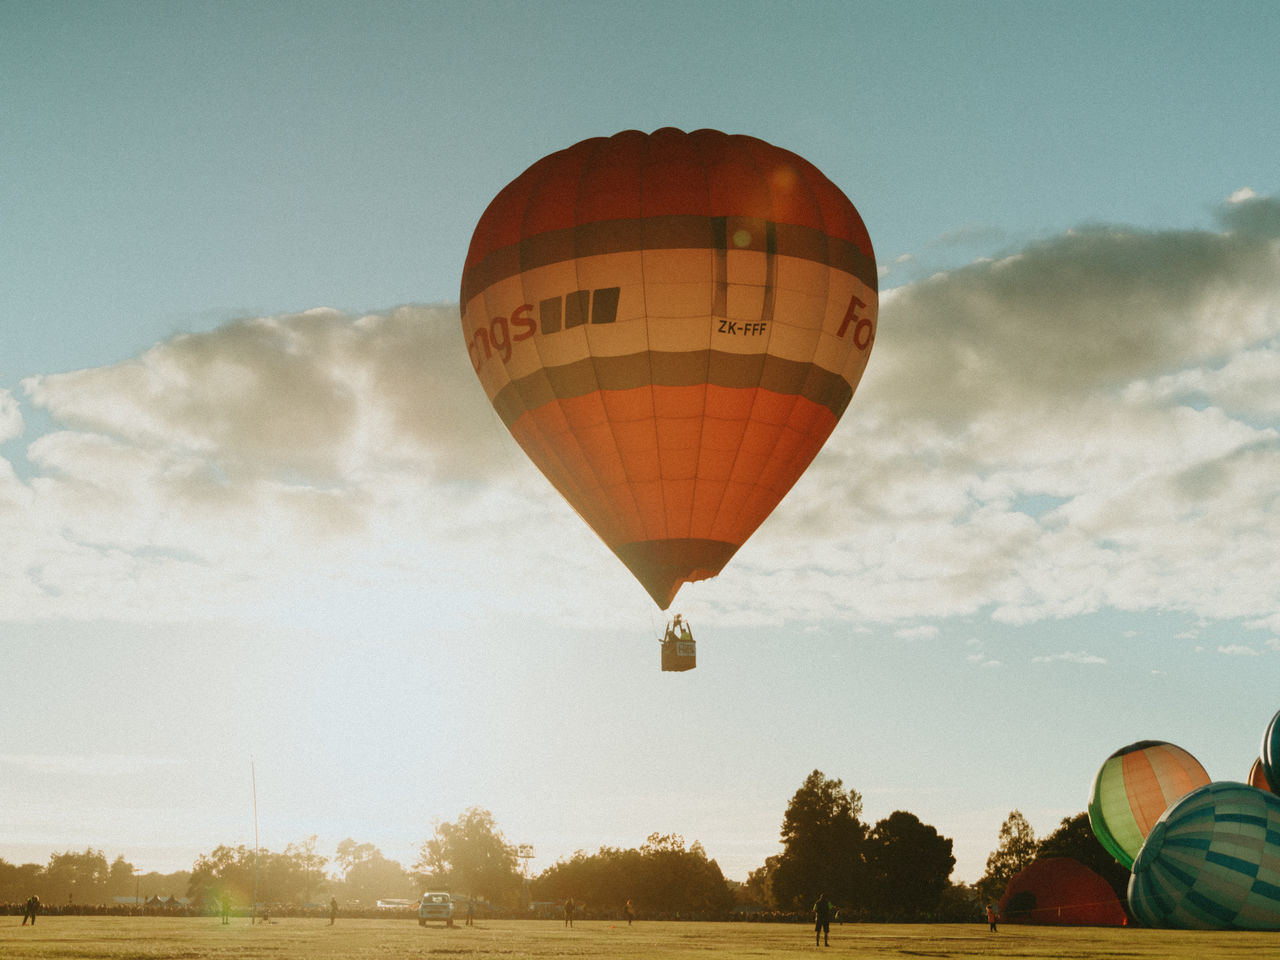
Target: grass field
<point>158,938</point>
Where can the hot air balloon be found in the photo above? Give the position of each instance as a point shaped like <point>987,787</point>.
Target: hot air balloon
<point>1258,776</point>
<point>670,325</point>
<point>1212,862</point>
<point>1061,891</point>
<point>1133,788</point>
<point>1271,752</point>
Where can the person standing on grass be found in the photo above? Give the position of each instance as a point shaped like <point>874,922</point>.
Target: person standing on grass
<point>569,907</point>
<point>33,907</point>
<point>823,909</point>
<point>991,917</point>
<point>333,910</point>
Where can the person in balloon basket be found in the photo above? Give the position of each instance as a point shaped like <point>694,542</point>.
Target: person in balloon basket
<point>677,629</point>
<point>33,907</point>
<point>991,917</point>
<point>823,911</point>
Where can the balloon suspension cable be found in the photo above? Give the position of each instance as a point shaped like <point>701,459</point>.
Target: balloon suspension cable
<point>677,628</point>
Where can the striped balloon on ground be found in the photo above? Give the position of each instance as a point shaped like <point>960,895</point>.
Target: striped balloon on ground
<point>1212,862</point>
<point>1133,788</point>
<point>670,325</point>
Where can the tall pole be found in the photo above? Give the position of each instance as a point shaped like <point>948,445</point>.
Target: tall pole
<point>253,776</point>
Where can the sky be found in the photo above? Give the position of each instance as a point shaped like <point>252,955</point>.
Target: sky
<point>262,532</point>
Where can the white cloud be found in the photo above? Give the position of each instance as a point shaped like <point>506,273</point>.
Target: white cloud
<point>1118,379</point>
<point>1074,656</point>
<point>1238,650</point>
<point>10,416</point>
<point>1047,375</point>
<point>921,632</point>
<point>220,471</point>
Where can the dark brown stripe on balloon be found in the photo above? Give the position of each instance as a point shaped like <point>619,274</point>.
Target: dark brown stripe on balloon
<point>771,269</point>
<point>720,266</point>
<point>673,232</point>
<point>673,370</point>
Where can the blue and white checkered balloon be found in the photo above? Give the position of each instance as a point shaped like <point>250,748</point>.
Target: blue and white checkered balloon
<point>1212,862</point>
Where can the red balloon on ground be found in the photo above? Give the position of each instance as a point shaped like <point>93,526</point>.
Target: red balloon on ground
<point>1061,891</point>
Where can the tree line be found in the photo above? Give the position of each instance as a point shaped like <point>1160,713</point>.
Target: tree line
<point>897,869</point>
<point>85,877</point>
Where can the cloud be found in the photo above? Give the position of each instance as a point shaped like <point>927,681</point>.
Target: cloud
<point>10,416</point>
<point>1238,650</point>
<point>1117,379</point>
<point>1075,656</point>
<point>977,654</point>
<point>215,469</point>
<point>316,399</point>
<point>1091,310</point>
<point>970,235</point>
<point>921,632</point>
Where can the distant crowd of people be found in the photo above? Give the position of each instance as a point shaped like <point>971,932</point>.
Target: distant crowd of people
<point>823,913</point>
<point>29,910</point>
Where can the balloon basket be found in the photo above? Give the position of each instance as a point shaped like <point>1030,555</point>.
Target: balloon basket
<point>678,655</point>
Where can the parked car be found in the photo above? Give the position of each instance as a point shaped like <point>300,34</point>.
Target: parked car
<point>435,905</point>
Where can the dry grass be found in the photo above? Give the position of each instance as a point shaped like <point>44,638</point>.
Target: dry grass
<point>112,938</point>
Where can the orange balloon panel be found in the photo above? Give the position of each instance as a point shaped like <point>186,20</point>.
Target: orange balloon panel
<point>1258,776</point>
<point>670,324</point>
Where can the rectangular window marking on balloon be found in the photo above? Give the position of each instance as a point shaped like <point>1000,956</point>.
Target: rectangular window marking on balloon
<point>573,310</point>
<point>604,304</point>
<point>577,306</point>
<point>549,312</point>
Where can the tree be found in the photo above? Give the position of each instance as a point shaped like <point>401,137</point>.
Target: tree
<point>472,857</point>
<point>226,873</point>
<point>153,883</point>
<point>120,878</point>
<point>758,890</point>
<point>1075,838</point>
<point>19,882</point>
<point>241,872</point>
<point>350,853</point>
<point>78,877</point>
<point>368,876</point>
<point>822,839</point>
<point>680,881</point>
<point>304,852</point>
<point>662,878</point>
<point>909,865</point>
<point>1015,850</point>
